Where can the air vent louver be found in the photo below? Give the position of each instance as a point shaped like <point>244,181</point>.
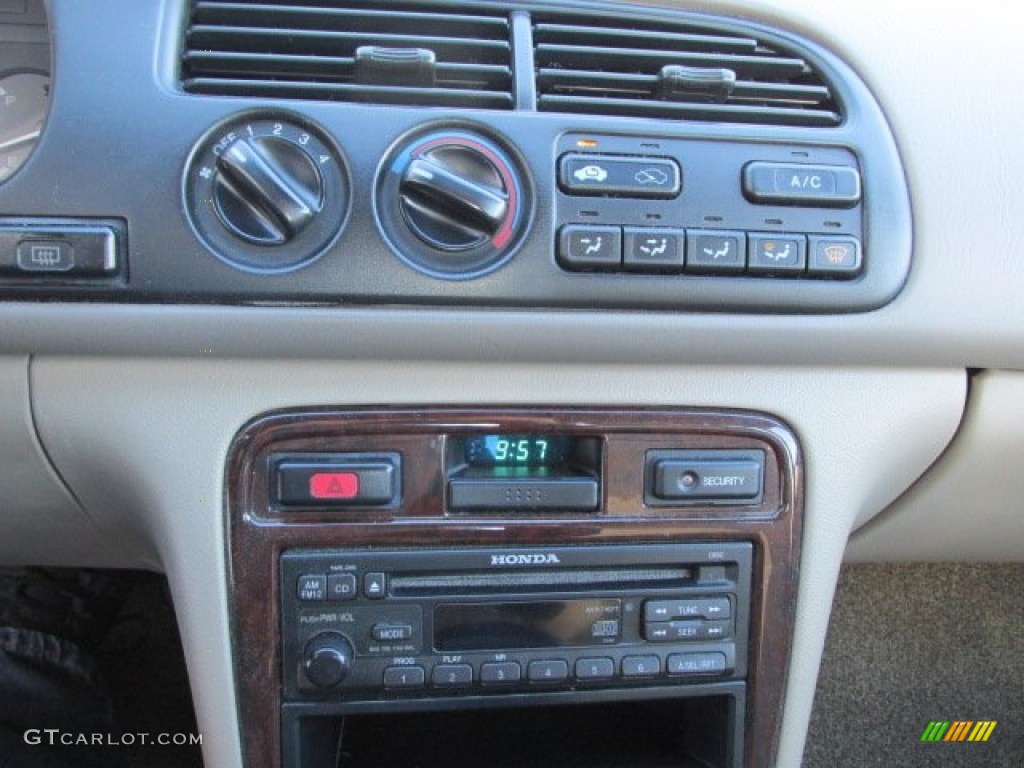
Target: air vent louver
<point>643,69</point>
<point>315,49</point>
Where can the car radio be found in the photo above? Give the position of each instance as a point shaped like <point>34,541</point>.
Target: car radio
<point>413,626</point>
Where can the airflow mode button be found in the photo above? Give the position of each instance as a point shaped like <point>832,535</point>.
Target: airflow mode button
<point>831,186</point>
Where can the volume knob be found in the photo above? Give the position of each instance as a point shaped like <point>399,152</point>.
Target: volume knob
<point>327,659</point>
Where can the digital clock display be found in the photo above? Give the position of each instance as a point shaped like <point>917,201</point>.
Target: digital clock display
<point>518,450</point>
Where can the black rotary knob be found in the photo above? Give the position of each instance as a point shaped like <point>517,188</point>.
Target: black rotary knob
<point>453,203</point>
<point>266,194</point>
<point>454,196</point>
<point>327,659</point>
<point>267,189</point>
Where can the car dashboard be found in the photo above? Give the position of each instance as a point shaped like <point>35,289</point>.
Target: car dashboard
<point>501,367</point>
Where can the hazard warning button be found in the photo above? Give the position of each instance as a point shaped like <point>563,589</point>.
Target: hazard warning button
<point>334,485</point>
<point>339,480</point>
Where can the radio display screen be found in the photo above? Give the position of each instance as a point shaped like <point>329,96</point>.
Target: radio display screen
<point>522,625</point>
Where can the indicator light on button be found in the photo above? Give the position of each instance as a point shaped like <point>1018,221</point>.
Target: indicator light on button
<point>334,485</point>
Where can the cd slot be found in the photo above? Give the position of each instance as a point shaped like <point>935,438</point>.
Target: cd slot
<point>539,582</point>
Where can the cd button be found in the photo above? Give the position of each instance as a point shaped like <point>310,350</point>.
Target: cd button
<point>452,675</point>
<point>500,672</point>
<point>641,666</point>
<point>547,671</point>
<point>594,669</point>
<point>341,586</point>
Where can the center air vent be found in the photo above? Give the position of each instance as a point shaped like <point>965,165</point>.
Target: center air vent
<point>368,52</point>
<point>683,72</point>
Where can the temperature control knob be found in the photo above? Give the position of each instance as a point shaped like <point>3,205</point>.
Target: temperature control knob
<point>453,203</point>
<point>327,659</point>
<point>267,194</point>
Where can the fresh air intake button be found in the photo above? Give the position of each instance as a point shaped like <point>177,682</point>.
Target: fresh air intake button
<point>622,176</point>
<point>834,186</point>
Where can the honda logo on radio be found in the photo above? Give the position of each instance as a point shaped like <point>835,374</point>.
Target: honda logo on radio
<point>548,558</point>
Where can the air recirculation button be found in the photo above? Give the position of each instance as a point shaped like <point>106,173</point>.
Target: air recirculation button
<point>267,194</point>
<point>452,204</point>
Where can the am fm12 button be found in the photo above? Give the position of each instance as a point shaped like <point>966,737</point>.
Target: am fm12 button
<point>312,588</point>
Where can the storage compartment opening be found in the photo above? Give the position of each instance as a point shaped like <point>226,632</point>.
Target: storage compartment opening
<point>678,733</point>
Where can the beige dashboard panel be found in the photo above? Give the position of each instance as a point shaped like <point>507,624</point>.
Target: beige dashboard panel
<point>970,505</point>
<point>40,522</point>
<point>147,459</point>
